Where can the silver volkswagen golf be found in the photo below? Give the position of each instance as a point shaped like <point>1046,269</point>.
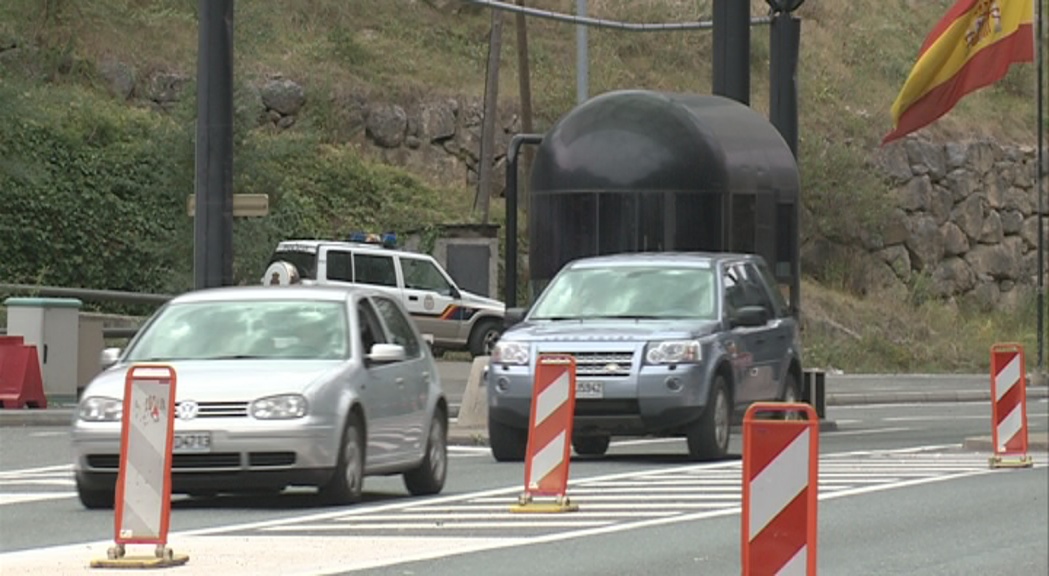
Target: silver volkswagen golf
<point>278,386</point>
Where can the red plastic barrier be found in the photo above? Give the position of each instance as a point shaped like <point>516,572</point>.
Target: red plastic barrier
<point>550,426</point>
<point>21,384</point>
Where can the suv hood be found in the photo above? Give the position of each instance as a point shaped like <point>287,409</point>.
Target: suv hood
<point>609,330</point>
<point>476,301</point>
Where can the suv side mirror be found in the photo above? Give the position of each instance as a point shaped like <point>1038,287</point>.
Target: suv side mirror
<point>109,357</point>
<point>750,316</point>
<point>514,316</point>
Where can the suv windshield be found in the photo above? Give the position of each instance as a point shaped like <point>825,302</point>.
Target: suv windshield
<point>275,329</point>
<point>629,292</point>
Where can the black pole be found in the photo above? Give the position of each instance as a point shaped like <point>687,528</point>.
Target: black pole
<point>213,219</point>
<point>1040,180</point>
<point>731,20</point>
<point>510,280</point>
<point>784,48</point>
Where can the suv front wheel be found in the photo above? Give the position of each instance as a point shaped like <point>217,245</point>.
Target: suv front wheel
<point>708,436</point>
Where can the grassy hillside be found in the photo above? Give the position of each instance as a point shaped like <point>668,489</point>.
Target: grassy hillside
<point>855,56</point>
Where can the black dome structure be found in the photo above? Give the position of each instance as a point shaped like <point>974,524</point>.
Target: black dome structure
<point>638,170</point>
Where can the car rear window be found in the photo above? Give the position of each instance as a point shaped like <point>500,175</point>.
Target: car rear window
<point>629,292</point>
<point>262,329</point>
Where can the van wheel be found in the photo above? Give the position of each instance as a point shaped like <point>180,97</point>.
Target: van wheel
<point>483,337</point>
<point>708,437</point>
<point>429,477</point>
<point>508,444</point>
<point>346,484</point>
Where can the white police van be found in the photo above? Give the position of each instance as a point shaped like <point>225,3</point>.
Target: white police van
<point>454,318</point>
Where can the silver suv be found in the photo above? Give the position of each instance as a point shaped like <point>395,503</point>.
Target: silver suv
<point>452,318</point>
<point>666,344</point>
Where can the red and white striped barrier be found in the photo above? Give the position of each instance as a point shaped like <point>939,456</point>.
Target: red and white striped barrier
<point>780,489</point>
<point>143,491</point>
<point>1009,406</point>
<point>550,433</point>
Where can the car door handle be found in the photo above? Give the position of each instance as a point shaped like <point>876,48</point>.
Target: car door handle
<point>413,298</point>
<point>426,376</point>
<point>400,382</point>
<point>759,340</point>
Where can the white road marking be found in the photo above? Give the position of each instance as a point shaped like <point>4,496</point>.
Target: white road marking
<point>872,431</point>
<point>216,550</point>
<point>24,497</point>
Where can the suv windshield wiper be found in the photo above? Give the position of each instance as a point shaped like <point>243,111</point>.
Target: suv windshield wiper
<point>235,357</point>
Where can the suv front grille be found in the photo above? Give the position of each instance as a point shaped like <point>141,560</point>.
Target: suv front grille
<point>603,364</point>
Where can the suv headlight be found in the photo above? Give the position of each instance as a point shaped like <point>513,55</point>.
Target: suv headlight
<point>284,407</point>
<point>510,352</point>
<point>100,409</point>
<point>674,352</point>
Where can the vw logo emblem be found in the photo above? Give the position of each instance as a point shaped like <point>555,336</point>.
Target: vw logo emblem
<point>187,410</point>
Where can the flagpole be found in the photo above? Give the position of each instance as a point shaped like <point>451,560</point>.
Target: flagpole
<point>1039,46</point>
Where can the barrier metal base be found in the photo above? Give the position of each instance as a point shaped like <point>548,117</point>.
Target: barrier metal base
<point>525,504</point>
<point>1021,462</point>
<point>163,558</point>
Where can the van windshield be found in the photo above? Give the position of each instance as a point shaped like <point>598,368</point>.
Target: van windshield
<point>637,292</point>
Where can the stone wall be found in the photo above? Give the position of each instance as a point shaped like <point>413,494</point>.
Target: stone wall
<point>964,218</point>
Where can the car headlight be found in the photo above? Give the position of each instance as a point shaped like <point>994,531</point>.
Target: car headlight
<point>674,352</point>
<point>510,352</point>
<point>284,407</point>
<point>100,409</point>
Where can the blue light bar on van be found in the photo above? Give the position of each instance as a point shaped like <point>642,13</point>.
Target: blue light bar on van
<point>386,240</point>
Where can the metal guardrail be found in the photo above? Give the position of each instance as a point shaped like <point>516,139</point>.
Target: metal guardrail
<point>86,294</point>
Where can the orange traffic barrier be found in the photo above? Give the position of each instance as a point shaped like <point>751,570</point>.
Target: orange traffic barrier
<point>550,435</point>
<point>143,495</point>
<point>1009,406</point>
<point>21,383</point>
<point>780,490</point>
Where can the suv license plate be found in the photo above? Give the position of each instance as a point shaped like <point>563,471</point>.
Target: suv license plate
<point>587,389</point>
<point>191,442</point>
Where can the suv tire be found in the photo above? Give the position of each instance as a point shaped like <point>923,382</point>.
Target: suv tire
<point>508,444</point>
<point>95,499</point>
<point>590,445</point>
<point>483,336</point>
<point>708,437</point>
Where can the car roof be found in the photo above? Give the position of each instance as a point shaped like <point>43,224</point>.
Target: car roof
<point>362,246</point>
<point>325,293</point>
<point>698,259</point>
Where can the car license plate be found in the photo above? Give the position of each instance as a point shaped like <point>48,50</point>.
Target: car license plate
<point>589,389</point>
<point>191,442</point>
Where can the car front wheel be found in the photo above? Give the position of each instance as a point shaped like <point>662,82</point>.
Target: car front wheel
<point>429,477</point>
<point>483,337</point>
<point>346,484</point>
<point>94,499</point>
<point>708,437</point>
<point>590,445</point>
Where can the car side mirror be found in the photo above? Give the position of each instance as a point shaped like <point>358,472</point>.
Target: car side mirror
<point>386,353</point>
<point>109,357</point>
<point>750,316</point>
<point>514,316</point>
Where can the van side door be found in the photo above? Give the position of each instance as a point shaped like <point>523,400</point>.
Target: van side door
<point>431,299</point>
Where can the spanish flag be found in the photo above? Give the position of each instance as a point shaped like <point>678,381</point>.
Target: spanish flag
<point>970,48</point>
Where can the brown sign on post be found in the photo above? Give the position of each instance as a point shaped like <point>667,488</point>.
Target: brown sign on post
<point>244,205</point>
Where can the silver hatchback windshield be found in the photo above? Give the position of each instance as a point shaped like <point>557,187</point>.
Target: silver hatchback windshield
<point>263,329</point>
<point>637,292</point>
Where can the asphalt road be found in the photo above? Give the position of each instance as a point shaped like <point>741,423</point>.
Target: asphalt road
<point>643,510</point>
